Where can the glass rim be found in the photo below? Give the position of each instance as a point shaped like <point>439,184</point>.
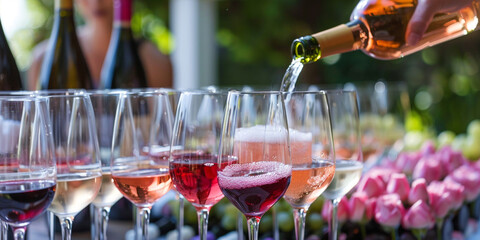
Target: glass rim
<point>23,98</point>
<point>261,92</point>
<point>203,92</point>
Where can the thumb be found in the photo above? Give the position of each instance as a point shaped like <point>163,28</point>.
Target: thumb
<point>419,22</point>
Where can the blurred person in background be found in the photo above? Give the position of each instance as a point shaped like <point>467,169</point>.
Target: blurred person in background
<point>94,38</point>
<point>424,13</point>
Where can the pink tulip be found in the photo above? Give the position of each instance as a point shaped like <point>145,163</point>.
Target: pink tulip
<point>406,161</point>
<point>382,172</point>
<point>418,191</point>
<point>357,206</point>
<point>418,216</point>
<point>440,199</point>
<point>428,148</point>
<point>451,159</point>
<point>342,210</point>
<point>370,208</point>
<point>399,184</point>
<point>389,210</point>
<point>456,192</point>
<point>327,209</point>
<point>469,178</point>
<point>372,186</point>
<point>429,168</point>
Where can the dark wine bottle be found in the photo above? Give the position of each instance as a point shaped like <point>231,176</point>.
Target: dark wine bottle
<point>122,67</point>
<point>64,65</point>
<point>9,75</point>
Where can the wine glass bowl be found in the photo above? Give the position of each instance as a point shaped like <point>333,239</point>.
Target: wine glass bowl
<point>27,161</point>
<point>383,107</point>
<point>79,174</point>
<point>254,163</point>
<point>104,103</point>
<point>312,151</point>
<point>141,178</point>
<point>194,150</point>
<point>344,117</point>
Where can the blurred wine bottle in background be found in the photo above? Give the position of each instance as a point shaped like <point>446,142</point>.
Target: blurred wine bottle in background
<point>122,67</point>
<point>64,65</point>
<point>378,29</point>
<point>9,75</point>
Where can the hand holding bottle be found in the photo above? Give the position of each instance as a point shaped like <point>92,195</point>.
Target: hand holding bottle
<point>423,15</point>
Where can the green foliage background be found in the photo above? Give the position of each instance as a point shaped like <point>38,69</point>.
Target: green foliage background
<point>254,40</point>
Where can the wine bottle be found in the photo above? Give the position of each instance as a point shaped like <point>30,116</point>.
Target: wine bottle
<point>9,75</point>
<point>378,29</point>
<point>64,65</point>
<point>122,67</point>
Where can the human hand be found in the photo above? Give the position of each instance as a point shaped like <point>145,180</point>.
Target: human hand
<point>424,13</point>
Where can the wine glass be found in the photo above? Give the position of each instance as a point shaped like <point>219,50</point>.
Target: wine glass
<point>160,146</point>
<point>383,107</point>
<point>104,104</point>
<point>254,164</point>
<point>312,151</point>
<point>348,152</point>
<point>79,175</point>
<point>141,178</point>
<point>194,151</point>
<point>27,161</point>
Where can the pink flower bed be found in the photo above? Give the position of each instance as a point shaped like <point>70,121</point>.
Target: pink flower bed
<point>415,192</point>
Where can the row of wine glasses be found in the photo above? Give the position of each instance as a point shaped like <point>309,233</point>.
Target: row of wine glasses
<point>252,147</point>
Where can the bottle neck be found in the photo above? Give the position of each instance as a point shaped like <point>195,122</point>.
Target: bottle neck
<point>340,39</point>
<point>122,13</point>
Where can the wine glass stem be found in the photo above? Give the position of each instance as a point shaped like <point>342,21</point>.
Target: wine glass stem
<point>299,215</point>
<point>240,225</point>
<point>66,223</point>
<point>93,222</point>
<point>253,224</point>
<point>276,229</point>
<point>181,208</point>
<point>202,215</point>
<point>99,222</point>
<point>144,217</point>
<point>51,225</point>
<point>4,230</point>
<point>19,233</point>
<point>334,220</point>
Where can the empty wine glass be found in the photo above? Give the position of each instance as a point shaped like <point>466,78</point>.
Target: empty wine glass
<point>348,152</point>
<point>194,151</point>
<point>27,161</point>
<point>141,178</point>
<point>313,156</point>
<point>254,164</point>
<point>76,148</point>
<point>104,104</point>
<point>383,107</point>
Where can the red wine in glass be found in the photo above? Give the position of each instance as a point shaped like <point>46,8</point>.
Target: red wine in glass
<point>195,177</point>
<point>22,201</point>
<point>255,187</point>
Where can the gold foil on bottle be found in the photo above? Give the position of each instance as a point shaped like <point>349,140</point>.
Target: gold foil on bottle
<point>63,4</point>
<point>335,40</point>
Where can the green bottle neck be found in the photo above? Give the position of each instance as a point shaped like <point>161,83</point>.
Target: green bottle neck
<point>339,39</point>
